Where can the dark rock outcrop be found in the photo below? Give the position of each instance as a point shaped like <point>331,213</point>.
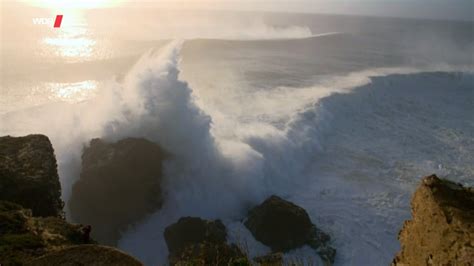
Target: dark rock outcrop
<point>24,237</point>
<point>193,230</point>
<point>273,259</point>
<point>441,231</point>
<point>28,174</point>
<point>283,226</point>
<point>91,255</point>
<point>120,184</point>
<point>33,230</point>
<point>193,241</point>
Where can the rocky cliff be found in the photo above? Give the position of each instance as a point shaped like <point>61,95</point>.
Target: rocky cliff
<point>24,237</point>
<point>32,228</point>
<point>441,231</point>
<point>90,255</point>
<point>28,174</point>
<point>120,184</point>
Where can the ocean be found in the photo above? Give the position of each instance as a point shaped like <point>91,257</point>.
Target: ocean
<point>341,115</point>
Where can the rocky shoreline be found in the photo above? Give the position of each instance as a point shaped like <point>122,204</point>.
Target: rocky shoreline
<point>33,230</point>
<point>441,231</point>
<point>120,185</point>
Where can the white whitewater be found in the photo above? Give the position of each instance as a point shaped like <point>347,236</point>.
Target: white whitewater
<point>348,149</point>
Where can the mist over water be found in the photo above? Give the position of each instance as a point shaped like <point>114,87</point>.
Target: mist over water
<point>341,124</point>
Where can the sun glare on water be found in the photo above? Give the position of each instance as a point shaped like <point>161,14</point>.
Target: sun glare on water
<point>72,40</point>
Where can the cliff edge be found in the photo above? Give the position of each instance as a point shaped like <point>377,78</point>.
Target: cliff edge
<point>33,230</point>
<point>441,231</point>
<point>120,184</point>
<point>28,174</point>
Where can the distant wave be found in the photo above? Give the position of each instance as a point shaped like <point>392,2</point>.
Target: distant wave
<point>325,34</point>
<point>276,37</point>
<point>235,30</point>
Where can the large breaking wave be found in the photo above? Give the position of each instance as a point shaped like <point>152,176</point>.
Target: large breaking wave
<point>347,149</point>
<point>349,152</point>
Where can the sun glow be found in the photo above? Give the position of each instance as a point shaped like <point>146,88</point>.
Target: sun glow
<point>66,4</point>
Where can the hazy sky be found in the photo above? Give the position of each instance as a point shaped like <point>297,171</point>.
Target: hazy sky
<point>435,9</point>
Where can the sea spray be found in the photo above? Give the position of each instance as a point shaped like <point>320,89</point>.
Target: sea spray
<point>215,177</point>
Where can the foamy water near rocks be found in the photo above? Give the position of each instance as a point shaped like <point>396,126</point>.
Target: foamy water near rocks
<point>441,231</point>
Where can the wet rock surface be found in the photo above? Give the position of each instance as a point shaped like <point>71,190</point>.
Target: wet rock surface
<point>24,237</point>
<point>441,231</point>
<point>91,255</point>
<point>194,241</point>
<point>272,259</point>
<point>33,230</point>
<point>120,184</point>
<point>283,226</point>
<point>28,174</point>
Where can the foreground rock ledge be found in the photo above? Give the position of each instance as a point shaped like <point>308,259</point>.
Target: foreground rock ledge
<point>28,240</point>
<point>91,255</point>
<point>23,237</point>
<point>283,226</point>
<point>441,231</point>
<point>120,184</point>
<point>28,174</point>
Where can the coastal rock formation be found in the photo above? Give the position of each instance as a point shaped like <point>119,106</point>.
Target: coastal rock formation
<point>193,230</point>
<point>24,237</point>
<point>283,226</point>
<point>120,184</point>
<point>193,241</point>
<point>28,174</point>
<point>272,259</point>
<point>441,231</point>
<point>91,255</point>
<point>32,228</point>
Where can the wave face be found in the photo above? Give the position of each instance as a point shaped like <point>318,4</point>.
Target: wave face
<point>349,149</point>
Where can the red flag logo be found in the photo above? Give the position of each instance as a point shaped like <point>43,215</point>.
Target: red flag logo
<point>57,22</point>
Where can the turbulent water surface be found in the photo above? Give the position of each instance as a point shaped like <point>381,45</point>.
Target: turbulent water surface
<point>341,115</point>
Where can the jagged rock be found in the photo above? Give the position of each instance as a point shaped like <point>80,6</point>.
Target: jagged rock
<point>283,226</point>
<point>28,240</point>
<point>28,174</point>
<point>33,224</point>
<point>91,255</point>
<point>280,224</point>
<point>120,184</point>
<point>207,253</point>
<point>441,231</point>
<point>193,241</point>
<point>23,237</point>
<point>273,259</point>
<point>193,230</point>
